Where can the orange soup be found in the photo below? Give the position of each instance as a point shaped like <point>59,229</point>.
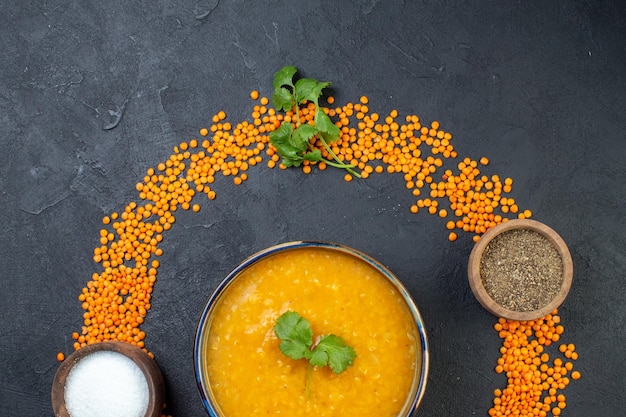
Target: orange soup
<point>337,293</point>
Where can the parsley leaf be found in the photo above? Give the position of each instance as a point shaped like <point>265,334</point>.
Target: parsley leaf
<point>284,76</point>
<point>326,127</point>
<point>296,145</point>
<point>295,335</point>
<point>303,134</point>
<point>314,155</point>
<point>283,99</point>
<point>332,350</point>
<point>308,89</point>
<point>291,150</point>
<point>296,342</point>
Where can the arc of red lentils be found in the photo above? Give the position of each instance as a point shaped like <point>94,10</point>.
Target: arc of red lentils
<point>117,299</point>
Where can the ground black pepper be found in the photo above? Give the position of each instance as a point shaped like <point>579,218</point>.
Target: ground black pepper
<point>521,270</point>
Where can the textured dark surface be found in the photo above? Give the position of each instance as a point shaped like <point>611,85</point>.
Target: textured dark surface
<point>537,87</point>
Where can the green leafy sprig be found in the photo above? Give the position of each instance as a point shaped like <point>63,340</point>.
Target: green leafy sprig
<point>296,342</point>
<point>296,145</point>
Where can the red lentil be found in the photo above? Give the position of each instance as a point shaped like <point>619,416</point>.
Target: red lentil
<point>533,384</point>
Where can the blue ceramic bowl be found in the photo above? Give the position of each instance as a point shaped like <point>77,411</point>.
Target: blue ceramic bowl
<point>421,373</point>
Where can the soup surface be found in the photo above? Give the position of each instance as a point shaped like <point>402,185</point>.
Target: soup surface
<point>337,293</point>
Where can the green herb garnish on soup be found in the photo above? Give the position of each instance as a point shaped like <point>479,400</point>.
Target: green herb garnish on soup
<point>296,342</point>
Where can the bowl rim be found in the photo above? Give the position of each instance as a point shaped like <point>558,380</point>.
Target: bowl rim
<point>147,365</point>
<point>299,244</point>
<point>481,293</point>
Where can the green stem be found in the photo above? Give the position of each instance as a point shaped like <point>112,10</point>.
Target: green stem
<point>339,164</point>
<point>309,372</point>
<point>297,113</point>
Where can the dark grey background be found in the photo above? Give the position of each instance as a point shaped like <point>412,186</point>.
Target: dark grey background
<point>537,87</point>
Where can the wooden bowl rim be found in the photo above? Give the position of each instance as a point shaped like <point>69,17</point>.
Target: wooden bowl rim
<point>154,378</point>
<point>489,303</point>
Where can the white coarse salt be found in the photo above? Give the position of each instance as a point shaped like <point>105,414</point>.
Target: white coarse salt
<point>106,384</point>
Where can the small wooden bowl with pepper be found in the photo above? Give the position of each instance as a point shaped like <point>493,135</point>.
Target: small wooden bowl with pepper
<point>520,270</point>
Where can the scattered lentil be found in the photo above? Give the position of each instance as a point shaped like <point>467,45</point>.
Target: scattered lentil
<point>534,385</point>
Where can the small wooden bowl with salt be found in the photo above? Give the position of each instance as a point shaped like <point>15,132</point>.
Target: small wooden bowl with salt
<point>108,379</point>
<point>520,270</point>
